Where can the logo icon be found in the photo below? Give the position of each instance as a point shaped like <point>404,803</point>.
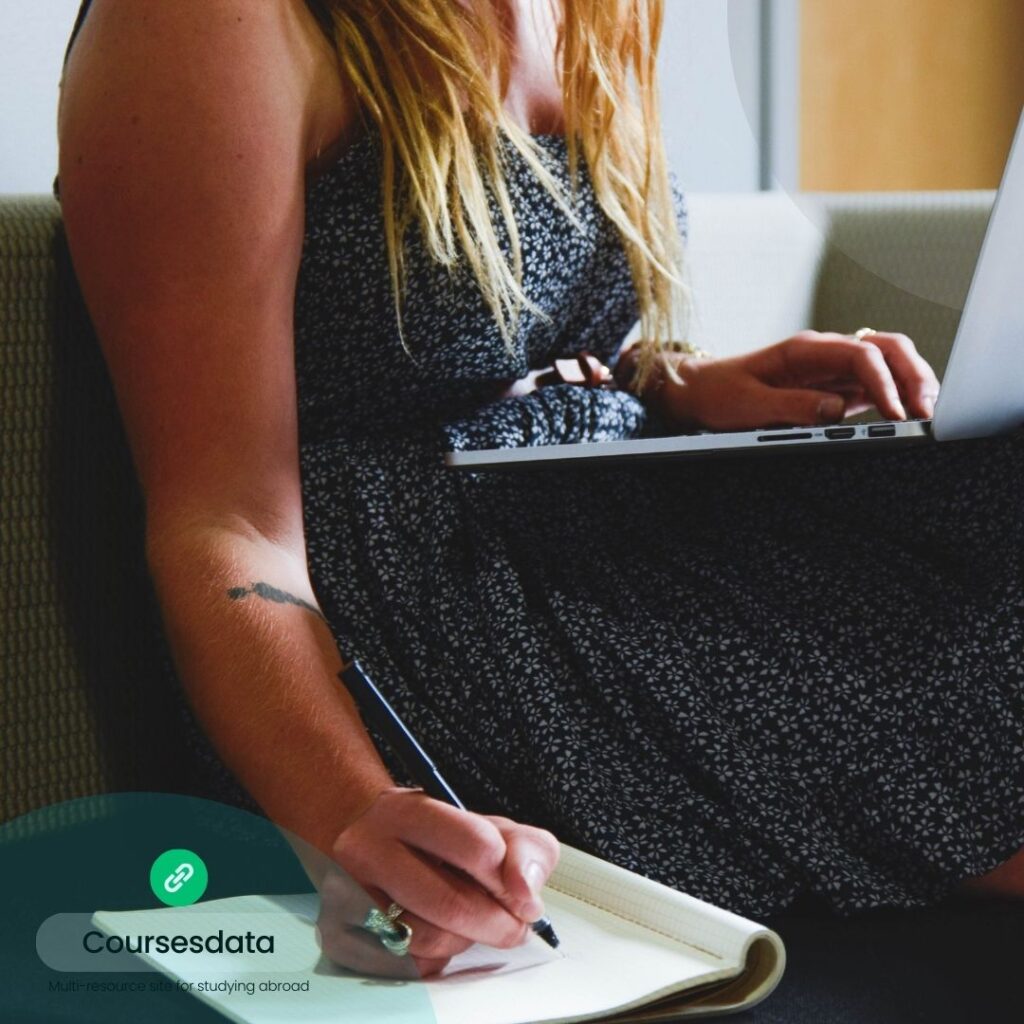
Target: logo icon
<point>178,878</point>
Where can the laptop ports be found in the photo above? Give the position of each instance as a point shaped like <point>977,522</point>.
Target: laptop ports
<point>882,430</point>
<point>840,433</point>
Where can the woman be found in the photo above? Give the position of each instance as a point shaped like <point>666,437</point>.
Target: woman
<point>323,242</point>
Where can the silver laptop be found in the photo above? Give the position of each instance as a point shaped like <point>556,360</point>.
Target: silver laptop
<point>982,392</point>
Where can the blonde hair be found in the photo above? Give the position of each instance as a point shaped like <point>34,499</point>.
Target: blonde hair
<point>432,75</point>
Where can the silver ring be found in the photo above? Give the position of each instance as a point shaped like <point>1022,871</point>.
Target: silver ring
<point>395,936</point>
<point>865,332</point>
<point>398,946</point>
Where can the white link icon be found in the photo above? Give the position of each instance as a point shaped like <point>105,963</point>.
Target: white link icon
<point>174,881</point>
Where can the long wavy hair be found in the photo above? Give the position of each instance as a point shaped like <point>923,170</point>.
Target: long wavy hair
<point>433,74</point>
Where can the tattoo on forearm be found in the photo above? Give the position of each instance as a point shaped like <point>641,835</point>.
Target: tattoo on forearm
<point>269,593</point>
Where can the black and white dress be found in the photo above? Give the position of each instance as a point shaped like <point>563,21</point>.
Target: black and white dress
<point>746,679</point>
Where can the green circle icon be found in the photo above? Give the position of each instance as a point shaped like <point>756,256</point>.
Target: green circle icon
<point>178,878</point>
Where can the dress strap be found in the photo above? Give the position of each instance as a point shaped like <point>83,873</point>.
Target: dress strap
<point>79,21</point>
<point>82,11</point>
<point>319,9</point>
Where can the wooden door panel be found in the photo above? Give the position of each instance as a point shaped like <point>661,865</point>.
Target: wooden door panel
<point>909,94</point>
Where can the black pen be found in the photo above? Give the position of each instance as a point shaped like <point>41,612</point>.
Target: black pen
<point>381,715</point>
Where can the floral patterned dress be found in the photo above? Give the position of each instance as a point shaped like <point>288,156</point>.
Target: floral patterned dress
<point>748,678</point>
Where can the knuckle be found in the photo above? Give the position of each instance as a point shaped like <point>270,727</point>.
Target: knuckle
<point>342,844</point>
<point>514,935</point>
<point>547,841</point>
<point>500,821</point>
<point>483,842</point>
<point>552,840</point>
<point>351,858</point>
<point>870,356</point>
<point>434,945</point>
<point>453,912</point>
<point>346,857</point>
<point>333,889</point>
<point>901,343</point>
<point>393,801</point>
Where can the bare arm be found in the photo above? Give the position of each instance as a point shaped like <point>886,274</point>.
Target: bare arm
<point>184,135</point>
<point>260,664</point>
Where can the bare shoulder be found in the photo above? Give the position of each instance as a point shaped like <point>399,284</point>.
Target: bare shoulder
<point>183,133</point>
<point>253,70</point>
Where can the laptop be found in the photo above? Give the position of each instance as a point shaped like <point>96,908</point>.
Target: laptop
<point>982,392</point>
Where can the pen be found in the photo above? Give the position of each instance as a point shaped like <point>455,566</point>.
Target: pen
<point>384,718</point>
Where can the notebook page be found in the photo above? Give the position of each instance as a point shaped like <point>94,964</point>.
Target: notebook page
<point>584,978</point>
<point>607,965</point>
<point>331,994</point>
<point>668,911</point>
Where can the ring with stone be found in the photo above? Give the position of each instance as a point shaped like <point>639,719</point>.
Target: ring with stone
<point>399,946</point>
<point>395,936</point>
<point>865,332</point>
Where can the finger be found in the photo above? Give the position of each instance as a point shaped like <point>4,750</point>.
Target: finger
<point>458,838</point>
<point>532,856</point>
<point>347,905</point>
<point>428,941</point>
<point>454,902</point>
<point>916,380</point>
<point>594,370</point>
<point>770,406</point>
<point>448,901</point>
<point>856,407</point>
<point>853,394</point>
<point>359,950</point>
<point>838,353</point>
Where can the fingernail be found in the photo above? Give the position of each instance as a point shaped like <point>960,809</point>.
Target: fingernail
<point>534,875</point>
<point>928,404</point>
<point>831,408</point>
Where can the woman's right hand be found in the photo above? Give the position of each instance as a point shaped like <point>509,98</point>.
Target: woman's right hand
<point>461,877</point>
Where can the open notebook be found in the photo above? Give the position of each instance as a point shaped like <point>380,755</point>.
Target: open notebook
<point>631,950</point>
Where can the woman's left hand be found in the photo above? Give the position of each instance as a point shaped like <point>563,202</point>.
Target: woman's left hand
<point>805,380</point>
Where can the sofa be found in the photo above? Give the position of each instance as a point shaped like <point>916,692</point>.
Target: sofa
<point>89,703</point>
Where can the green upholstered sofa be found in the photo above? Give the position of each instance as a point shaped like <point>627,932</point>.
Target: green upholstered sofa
<point>88,699</point>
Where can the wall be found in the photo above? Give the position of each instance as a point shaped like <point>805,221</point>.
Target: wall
<point>709,133</point>
<point>710,71</point>
<point>33,34</point>
<point>910,94</point>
